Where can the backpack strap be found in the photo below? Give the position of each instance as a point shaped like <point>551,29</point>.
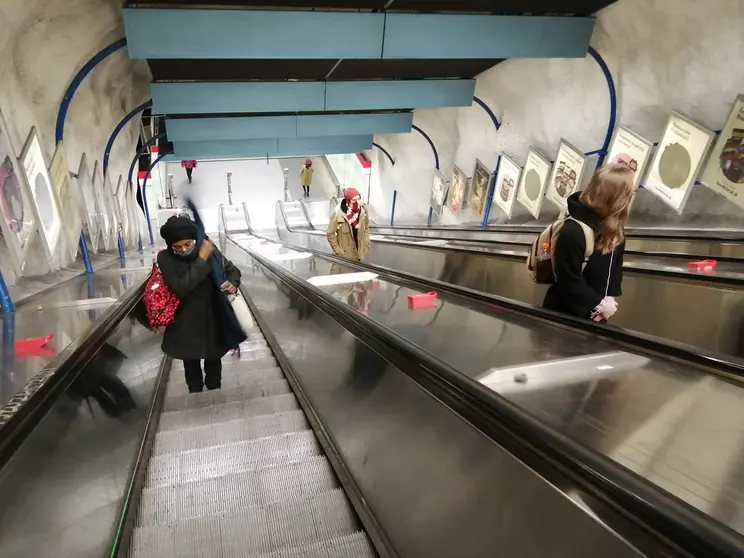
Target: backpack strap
<point>588,239</point>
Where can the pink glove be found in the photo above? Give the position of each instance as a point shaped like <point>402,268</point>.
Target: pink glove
<point>605,309</point>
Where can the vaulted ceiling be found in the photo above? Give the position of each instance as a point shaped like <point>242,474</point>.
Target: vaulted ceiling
<point>238,78</point>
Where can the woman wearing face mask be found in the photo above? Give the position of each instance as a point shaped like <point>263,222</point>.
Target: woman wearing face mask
<point>196,333</point>
<point>348,231</point>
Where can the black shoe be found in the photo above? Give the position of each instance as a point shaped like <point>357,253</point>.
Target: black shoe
<point>195,390</point>
<point>214,387</point>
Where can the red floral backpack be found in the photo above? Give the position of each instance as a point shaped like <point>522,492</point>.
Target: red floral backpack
<point>160,302</point>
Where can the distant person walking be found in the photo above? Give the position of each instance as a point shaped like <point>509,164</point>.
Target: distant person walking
<point>348,231</point>
<point>306,177</point>
<point>189,165</point>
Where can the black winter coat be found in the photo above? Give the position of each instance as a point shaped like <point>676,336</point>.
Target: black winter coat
<point>574,292</point>
<point>197,330</point>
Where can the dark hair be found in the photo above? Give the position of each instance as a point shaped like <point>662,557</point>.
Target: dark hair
<point>344,205</point>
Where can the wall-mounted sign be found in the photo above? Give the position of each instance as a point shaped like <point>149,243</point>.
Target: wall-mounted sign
<point>66,199</point>
<point>505,190</point>
<point>103,215</point>
<point>438,193</point>
<point>532,182</point>
<point>42,195</point>
<point>479,187</point>
<point>566,173</point>
<point>677,160</point>
<point>724,172</point>
<point>629,149</point>
<point>15,208</point>
<point>88,202</point>
<point>457,191</point>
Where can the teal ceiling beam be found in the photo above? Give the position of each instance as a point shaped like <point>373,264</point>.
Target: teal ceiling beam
<point>211,34</point>
<point>257,97</point>
<point>272,147</point>
<point>290,126</point>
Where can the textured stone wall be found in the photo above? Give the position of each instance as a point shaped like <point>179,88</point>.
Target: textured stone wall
<point>664,54</point>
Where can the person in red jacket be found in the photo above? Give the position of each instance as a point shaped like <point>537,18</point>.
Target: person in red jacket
<point>189,166</point>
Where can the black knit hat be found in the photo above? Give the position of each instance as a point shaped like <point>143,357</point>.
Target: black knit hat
<point>178,228</point>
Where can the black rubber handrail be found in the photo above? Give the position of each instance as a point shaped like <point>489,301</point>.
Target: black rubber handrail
<point>25,411</point>
<point>671,519</point>
<point>713,362</point>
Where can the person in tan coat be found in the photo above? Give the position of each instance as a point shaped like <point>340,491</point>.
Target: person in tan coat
<point>348,231</point>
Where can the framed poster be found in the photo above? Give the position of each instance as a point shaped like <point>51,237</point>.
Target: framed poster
<point>89,202</point>
<point>532,182</point>
<point>103,212</point>
<point>724,172</point>
<point>479,187</point>
<point>108,190</point>
<point>17,217</point>
<point>66,199</point>
<point>133,213</point>
<point>457,190</point>
<point>42,195</point>
<point>677,160</point>
<point>629,149</point>
<point>438,193</point>
<point>506,184</point>
<point>121,202</point>
<point>566,173</point>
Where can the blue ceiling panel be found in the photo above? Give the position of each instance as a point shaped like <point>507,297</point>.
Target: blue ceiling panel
<point>214,34</point>
<point>399,94</point>
<point>290,126</point>
<point>218,97</point>
<point>273,147</point>
<point>475,36</point>
<point>155,33</point>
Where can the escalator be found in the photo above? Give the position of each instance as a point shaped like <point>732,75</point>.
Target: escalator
<point>331,437</point>
<point>657,291</point>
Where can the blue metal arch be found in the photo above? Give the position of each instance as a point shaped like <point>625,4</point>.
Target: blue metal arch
<point>488,110</point>
<point>613,105</point>
<point>390,157</point>
<point>140,151</point>
<point>144,196</point>
<point>119,127</point>
<point>431,144</point>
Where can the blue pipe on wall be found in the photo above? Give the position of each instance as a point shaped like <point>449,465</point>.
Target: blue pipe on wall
<point>431,214</point>
<point>119,127</point>
<point>149,143</point>
<point>431,144</point>
<point>488,110</point>
<point>392,210</point>
<point>489,198</point>
<point>5,301</point>
<point>144,197</point>
<point>613,104</point>
<point>378,146</point>
<point>64,107</point>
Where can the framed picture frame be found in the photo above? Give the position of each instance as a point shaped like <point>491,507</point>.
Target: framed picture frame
<point>457,194</point>
<point>505,189</point>
<point>102,206</point>
<point>677,160</point>
<point>66,198</point>
<point>532,181</point>
<point>479,186</point>
<point>629,149</point>
<point>724,171</point>
<point>438,195</point>
<point>566,173</point>
<point>42,196</point>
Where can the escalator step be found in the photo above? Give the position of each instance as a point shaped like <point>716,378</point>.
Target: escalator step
<point>232,492</point>
<point>226,395</point>
<point>231,377</point>
<point>173,441</point>
<point>254,531</point>
<point>227,412</point>
<point>356,545</point>
<point>206,463</point>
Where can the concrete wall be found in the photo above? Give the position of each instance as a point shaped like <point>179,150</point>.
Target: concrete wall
<point>42,46</point>
<point>664,54</point>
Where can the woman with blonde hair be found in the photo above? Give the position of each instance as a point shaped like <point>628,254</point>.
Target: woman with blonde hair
<point>587,288</point>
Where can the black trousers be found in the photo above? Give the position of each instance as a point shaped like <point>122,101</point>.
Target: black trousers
<point>212,374</point>
<point>188,173</point>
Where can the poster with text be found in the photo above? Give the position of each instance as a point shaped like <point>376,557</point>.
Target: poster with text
<point>103,212</point>
<point>566,174</point>
<point>457,191</point>
<point>66,199</point>
<point>88,201</point>
<point>479,187</point>
<point>630,150</point>
<point>438,193</point>
<point>113,207</point>
<point>507,180</point>
<point>677,161</point>
<point>533,181</point>
<point>18,222</point>
<point>724,172</point>
<point>42,196</point>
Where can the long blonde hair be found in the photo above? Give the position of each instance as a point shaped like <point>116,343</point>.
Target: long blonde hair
<point>609,194</point>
